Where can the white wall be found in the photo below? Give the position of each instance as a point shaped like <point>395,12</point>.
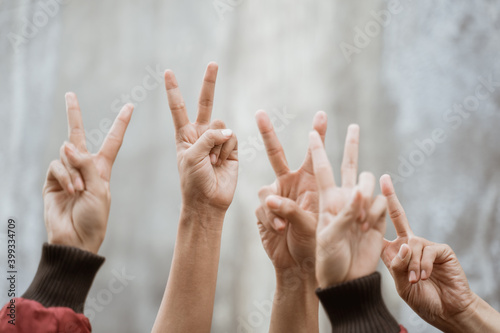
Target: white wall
<point>277,55</point>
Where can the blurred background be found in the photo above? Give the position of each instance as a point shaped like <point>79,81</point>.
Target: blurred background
<point>422,78</point>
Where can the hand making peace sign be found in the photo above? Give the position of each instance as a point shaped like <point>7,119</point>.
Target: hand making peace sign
<point>207,152</point>
<point>76,192</point>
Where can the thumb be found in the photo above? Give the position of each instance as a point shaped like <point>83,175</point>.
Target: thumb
<point>399,265</point>
<point>210,139</point>
<point>288,209</point>
<point>84,164</point>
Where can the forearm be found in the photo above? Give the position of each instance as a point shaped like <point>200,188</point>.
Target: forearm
<point>295,305</point>
<point>479,317</point>
<point>188,301</point>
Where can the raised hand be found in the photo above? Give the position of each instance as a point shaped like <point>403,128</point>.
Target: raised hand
<point>289,206</point>
<point>287,224</point>
<point>429,277</point>
<point>351,222</point>
<point>207,158</point>
<point>76,192</point>
<point>207,153</point>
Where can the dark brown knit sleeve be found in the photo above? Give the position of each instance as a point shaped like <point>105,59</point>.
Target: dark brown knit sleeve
<point>357,306</point>
<point>64,277</point>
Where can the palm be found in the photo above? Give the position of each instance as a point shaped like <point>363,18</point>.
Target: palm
<point>355,253</point>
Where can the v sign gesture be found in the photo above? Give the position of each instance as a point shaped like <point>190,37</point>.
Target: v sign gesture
<point>207,153</point>
<point>207,159</point>
<point>288,211</point>
<point>351,222</point>
<point>76,192</point>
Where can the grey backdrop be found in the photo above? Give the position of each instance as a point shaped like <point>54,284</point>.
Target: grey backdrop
<point>404,84</point>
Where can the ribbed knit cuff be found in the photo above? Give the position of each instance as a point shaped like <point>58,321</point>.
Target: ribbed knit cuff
<point>357,306</point>
<point>64,277</point>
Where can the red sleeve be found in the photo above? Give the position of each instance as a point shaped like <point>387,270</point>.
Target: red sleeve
<point>27,316</point>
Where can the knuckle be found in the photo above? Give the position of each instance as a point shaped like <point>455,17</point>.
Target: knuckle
<point>53,165</point>
<point>396,213</point>
<point>263,191</point>
<point>188,160</point>
<point>348,165</point>
<point>76,131</point>
<point>177,106</point>
<point>273,151</point>
<point>206,102</point>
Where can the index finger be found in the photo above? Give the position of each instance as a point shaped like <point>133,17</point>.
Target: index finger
<point>175,101</point>
<point>76,133</point>
<point>396,211</point>
<point>114,139</point>
<point>273,146</point>
<point>206,100</point>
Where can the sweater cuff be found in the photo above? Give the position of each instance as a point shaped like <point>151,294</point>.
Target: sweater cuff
<point>357,306</point>
<point>64,277</point>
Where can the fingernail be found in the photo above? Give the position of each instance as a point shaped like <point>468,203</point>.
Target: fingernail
<point>365,226</point>
<point>227,132</point>
<point>423,275</point>
<point>413,276</point>
<point>278,223</point>
<point>79,184</point>
<point>213,158</point>
<point>274,202</point>
<point>403,251</point>
<point>71,188</point>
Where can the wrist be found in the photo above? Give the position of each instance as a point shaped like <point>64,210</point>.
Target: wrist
<point>65,240</point>
<point>296,279</point>
<point>205,218</point>
<point>478,316</point>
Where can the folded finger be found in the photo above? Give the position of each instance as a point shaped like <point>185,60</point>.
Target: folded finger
<point>76,177</point>
<point>57,172</point>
